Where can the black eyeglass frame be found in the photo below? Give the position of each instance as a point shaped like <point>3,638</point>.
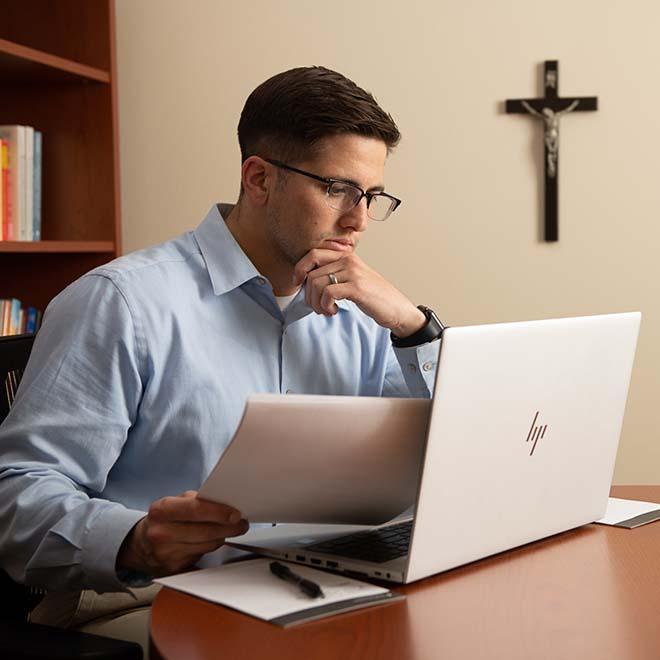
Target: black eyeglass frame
<point>329,182</point>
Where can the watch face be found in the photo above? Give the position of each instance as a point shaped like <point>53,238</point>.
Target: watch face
<point>431,316</point>
<point>433,320</point>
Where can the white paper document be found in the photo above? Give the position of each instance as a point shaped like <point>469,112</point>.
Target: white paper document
<point>251,588</point>
<point>301,458</point>
<point>629,513</point>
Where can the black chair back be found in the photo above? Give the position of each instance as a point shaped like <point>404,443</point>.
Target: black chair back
<point>19,639</point>
<point>14,353</point>
<point>17,600</point>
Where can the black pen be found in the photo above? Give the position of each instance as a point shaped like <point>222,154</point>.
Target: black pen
<point>308,587</point>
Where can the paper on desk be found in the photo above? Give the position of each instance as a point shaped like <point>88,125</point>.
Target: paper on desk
<point>250,587</point>
<point>629,513</point>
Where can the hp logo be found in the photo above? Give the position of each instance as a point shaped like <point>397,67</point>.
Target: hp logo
<point>535,433</point>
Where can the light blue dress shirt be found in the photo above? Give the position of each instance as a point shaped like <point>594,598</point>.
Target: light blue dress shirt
<point>137,382</point>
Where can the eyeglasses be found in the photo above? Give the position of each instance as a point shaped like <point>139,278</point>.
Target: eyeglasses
<point>343,196</point>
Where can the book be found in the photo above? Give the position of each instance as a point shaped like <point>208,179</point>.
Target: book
<point>36,203</point>
<point>31,321</point>
<point>15,317</point>
<point>28,184</point>
<point>15,138</point>
<point>5,211</point>
<point>5,310</point>
<point>2,196</point>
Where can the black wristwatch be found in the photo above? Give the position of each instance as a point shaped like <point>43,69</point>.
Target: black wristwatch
<point>429,332</point>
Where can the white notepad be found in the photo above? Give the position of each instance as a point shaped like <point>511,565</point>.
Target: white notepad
<point>629,513</point>
<point>251,588</point>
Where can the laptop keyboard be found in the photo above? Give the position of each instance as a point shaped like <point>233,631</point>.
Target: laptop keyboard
<point>378,546</point>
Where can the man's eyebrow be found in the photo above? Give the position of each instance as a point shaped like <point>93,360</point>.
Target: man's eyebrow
<point>357,185</point>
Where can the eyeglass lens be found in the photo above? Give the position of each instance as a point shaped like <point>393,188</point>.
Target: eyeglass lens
<point>344,196</point>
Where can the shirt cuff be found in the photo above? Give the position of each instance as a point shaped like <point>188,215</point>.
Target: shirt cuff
<point>419,365</point>
<point>102,543</point>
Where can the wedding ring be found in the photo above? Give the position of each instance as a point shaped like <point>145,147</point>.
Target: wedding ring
<point>333,278</point>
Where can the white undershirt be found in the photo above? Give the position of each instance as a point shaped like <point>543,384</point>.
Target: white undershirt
<point>283,301</point>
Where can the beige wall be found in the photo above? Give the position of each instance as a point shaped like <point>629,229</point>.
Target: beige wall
<point>466,240</point>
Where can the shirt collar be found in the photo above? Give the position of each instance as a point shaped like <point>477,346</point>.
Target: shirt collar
<point>228,266</point>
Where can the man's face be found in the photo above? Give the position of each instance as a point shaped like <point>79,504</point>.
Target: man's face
<point>299,217</point>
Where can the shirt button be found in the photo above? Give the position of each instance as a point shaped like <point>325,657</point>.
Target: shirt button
<point>427,366</point>
<point>261,281</point>
<point>289,392</point>
<point>412,368</point>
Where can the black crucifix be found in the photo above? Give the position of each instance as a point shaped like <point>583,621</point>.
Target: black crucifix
<point>550,108</point>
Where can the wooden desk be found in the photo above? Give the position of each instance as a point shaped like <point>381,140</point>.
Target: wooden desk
<point>593,592</point>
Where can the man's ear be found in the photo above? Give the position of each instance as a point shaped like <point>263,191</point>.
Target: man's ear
<point>257,177</point>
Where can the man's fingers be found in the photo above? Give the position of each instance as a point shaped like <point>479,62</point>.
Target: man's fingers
<point>320,293</point>
<point>314,259</point>
<point>239,528</point>
<point>192,534</point>
<point>174,547</point>
<point>171,559</point>
<point>186,508</point>
<point>176,532</point>
<point>331,293</point>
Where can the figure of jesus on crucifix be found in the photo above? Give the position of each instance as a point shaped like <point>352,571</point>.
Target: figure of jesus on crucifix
<point>551,119</point>
<point>550,107</point>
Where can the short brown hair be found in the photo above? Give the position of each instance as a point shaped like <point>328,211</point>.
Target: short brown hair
<point>287,115</point>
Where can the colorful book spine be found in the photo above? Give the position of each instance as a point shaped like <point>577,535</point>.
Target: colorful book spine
<point>4,182</point>
<point>5,313</point>
<point>36,208</point>
<point>15,317</point>
<point>28,184</point>
<point>32,320</point>
<point>12,136</point>
<point>18,181</point>
<point>2,196</point>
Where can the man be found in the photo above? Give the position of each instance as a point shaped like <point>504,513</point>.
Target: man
<point>141,370</point>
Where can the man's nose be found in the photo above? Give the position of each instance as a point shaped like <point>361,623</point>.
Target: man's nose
<point>357,218</point>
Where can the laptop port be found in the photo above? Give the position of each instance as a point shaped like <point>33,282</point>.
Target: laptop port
<point>377,573</point>
<point>300,558</point>
<point>318,562</point>
<point>331,564</point>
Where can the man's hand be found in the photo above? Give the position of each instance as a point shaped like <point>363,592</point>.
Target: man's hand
<point>176,532</point>
<point>372,293</point>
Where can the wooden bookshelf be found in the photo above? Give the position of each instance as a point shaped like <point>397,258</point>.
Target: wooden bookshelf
<point>58,74</point>
<point>105,247</point>
<point>20,64</point>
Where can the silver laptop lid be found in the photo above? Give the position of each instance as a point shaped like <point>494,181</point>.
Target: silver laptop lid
<point>523,435</point>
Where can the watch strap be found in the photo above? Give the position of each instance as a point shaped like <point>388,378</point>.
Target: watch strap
<point>431,331</point>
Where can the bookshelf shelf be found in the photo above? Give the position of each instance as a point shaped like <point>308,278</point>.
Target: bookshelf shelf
<point>57,246</point>
<point>58,75</point>
<point>22,65</point>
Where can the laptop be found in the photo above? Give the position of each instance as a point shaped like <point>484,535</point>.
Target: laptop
<point>520,444</point>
